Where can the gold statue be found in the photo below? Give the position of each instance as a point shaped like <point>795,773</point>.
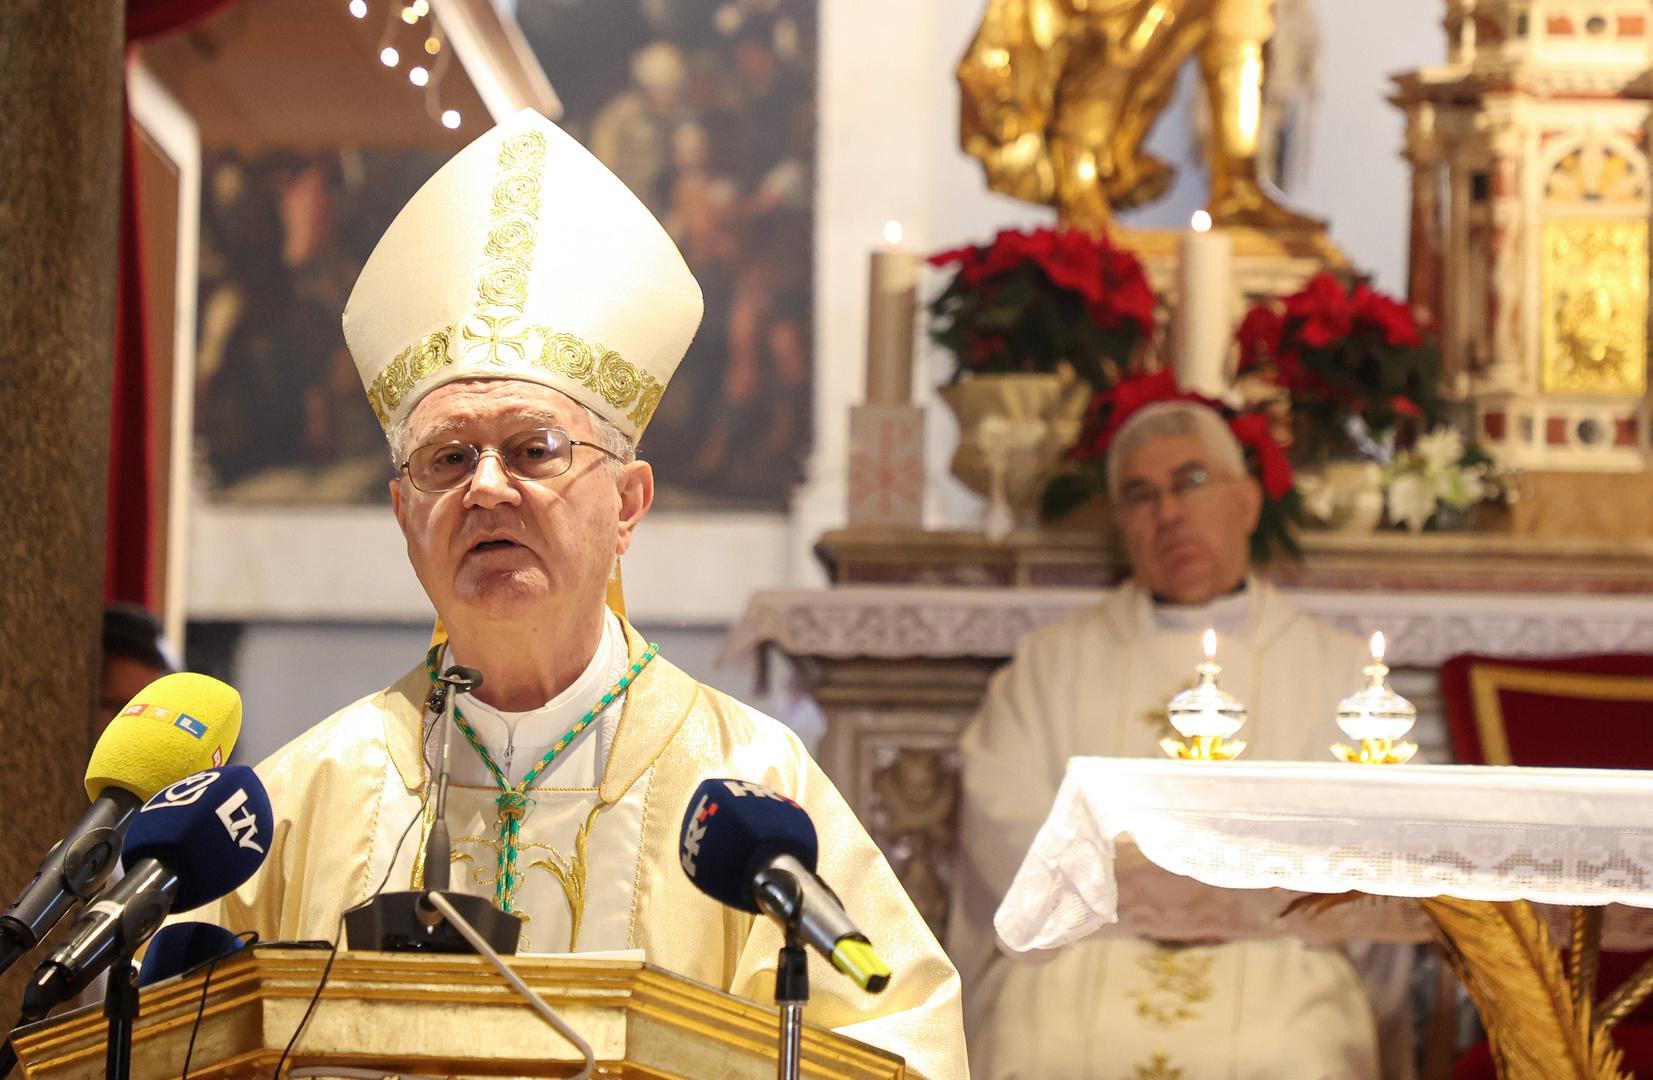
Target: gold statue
<point>1058,95</point>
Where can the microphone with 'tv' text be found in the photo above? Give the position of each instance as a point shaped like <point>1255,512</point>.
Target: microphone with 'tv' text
<point>177,725</point>
<point>752,848</point>
<point>194,842</point>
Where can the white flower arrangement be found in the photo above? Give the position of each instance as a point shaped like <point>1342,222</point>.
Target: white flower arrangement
<point>1438,471</point>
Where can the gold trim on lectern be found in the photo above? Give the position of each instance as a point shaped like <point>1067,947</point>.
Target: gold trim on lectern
<point>444,1015</point>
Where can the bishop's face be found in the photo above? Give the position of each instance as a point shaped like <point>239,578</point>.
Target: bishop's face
<point>1186,519</point>
<point>500,548</point>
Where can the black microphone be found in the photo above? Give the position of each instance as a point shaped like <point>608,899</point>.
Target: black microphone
<point>438,848</point>
<point>752,848</point>
<point>175,726</point>
<point>191,844</point>
<point>410,921</point>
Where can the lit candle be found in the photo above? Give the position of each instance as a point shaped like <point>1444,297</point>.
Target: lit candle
<point>1376,716</point>
<point>1204,321</point>
<point>892,303</point>
<point>1206,715</point>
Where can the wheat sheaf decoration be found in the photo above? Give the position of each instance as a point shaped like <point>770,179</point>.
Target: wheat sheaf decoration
<point>1538,1021</point>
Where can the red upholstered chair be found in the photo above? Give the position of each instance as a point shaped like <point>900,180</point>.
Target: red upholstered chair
<point>1590,712</point>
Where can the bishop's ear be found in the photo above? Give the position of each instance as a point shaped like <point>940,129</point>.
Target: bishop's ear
<point>636,496</point>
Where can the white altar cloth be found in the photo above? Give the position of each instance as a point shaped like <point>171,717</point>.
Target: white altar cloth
<point>1265,832</point>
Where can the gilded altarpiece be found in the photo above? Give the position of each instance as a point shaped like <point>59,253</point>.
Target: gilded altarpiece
<point>1530,207</point>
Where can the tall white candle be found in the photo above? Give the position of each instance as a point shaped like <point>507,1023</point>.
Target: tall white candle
<point>892,304</point>
<point>1204,326</point>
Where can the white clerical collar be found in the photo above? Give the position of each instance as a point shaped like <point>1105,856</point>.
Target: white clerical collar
<point>1224,614</point>
<point>546,724</point>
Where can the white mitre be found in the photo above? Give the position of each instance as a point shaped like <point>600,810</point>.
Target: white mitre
<point>524,258</point>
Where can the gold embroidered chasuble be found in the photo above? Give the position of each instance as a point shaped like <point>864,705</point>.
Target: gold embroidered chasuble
<point>346,790</point>
<point>1096,683</point>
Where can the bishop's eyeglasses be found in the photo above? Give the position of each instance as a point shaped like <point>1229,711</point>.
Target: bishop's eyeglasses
<point>535,454</point>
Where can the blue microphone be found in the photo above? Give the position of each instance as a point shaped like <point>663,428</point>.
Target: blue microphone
<point>732,830</point>
<point>752,848</point>
<point>185,946</point>
<point>192,843</point>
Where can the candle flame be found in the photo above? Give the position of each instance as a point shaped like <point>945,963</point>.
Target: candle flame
<point>1210,643</point>
<point>1377,646</point>
<point>892,233</point>
<point>1200,222</point>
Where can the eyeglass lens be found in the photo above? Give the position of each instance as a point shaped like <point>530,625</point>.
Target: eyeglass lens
<point>1141,497</point>
<point>539,454</point>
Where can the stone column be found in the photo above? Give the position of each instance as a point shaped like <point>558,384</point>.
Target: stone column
<point>1426,240</point>
<point>60,164</point>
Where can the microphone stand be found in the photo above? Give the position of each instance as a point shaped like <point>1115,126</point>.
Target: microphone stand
<point>120,1005</point>
<point>409,921</point>
<point>438,848</point>
<point>780,895</point>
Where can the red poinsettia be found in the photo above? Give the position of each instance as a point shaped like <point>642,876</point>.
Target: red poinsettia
<point>1342,356</point>
<point>1110,409</point>
<point>1253,430</point>
<point>1323,311</point>
<point>1030,301</point>
<point>1388,316</point>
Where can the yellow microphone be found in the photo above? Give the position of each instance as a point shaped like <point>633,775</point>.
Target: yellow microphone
<point>175,727</point>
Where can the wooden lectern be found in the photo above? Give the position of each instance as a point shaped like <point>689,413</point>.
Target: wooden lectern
<point>443,1015</point>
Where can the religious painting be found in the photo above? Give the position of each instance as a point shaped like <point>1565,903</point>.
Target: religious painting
<point>706,109</point>
<point>280,413</point>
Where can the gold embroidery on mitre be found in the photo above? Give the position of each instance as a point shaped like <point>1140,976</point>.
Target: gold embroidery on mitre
<point>567,354</point>
<point>512,238</point>
<point>647,402</point>
<point>516,203</point>
<point>617,380</point>
<point>482,341</point>
<point>505,285</point>
<point>373,399</point>
<point>517,193</point>
<point>395,381</point>
<point>496,334</point>
<point>522,151</point>
<point>493,340</point>
<point>428,356</point>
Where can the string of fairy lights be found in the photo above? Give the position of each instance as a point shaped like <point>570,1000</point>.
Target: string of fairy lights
<point>411,24</point>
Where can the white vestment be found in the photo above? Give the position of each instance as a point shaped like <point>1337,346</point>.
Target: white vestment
<point>1096,683</point>
<point>599,867</point>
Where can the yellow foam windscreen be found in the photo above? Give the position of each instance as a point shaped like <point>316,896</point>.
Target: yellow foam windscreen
<point>177,725</point>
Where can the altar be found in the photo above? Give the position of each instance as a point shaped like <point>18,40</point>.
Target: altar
<point>1480,859</point>
<point>898,652</point>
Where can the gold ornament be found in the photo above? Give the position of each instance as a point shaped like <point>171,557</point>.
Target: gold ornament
<point>1595,307</point>
<point>1058,96</point>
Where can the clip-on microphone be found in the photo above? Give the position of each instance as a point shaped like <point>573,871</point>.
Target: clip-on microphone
<point>408,921</point>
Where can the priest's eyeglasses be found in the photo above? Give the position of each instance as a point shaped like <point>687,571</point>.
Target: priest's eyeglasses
<point>536,454</point>
<point>1140,498</point>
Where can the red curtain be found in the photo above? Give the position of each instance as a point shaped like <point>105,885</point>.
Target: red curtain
<point>131,462</point>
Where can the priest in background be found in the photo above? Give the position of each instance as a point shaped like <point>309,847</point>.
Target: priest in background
<point>1096,683</point>
<point>515,329</point>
